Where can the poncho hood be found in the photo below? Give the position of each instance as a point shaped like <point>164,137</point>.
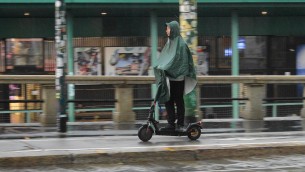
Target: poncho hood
<point>175,29</point>
<point>175,61</point>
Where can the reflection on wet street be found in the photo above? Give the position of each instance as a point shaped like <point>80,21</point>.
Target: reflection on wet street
<point>291,163</point>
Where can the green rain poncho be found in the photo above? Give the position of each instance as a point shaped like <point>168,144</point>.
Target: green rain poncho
<point>175,61</point>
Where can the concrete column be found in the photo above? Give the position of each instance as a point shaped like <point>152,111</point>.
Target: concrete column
<point>253,125</point>
<point>303,109</point>
<point>254,106</point>
<point>303,124</point>
<point>49,116</point>
<point>123,116</point>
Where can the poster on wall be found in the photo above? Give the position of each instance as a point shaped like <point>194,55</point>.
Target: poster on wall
<point>14,90</point>
<point>300,60</point>
<point>127,60</point>
<point>87,61</point>
<point>203,60</point>
<point>300,66</point>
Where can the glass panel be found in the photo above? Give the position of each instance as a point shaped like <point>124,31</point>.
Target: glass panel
<point>24,53</point>
<point>224,52</point>
<point>252,52</point>
<point>49,56</point>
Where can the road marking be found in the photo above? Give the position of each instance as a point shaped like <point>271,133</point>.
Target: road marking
<point>253,138</point>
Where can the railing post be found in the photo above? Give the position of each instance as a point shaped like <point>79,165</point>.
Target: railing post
<point>235,63</point>
<point>123,116</point>
<point>254,107</point>
<point>303,109</point>
<point>49,116</point>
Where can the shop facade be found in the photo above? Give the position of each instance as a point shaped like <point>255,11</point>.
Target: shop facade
<point>270,34</point>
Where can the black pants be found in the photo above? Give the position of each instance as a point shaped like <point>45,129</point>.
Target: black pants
<point>176,97</point>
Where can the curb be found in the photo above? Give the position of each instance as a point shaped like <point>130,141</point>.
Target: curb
<point>147,154</point>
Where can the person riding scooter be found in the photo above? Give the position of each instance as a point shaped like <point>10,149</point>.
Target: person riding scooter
<point>175,63</point>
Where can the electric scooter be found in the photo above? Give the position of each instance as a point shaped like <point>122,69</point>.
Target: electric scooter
<point>146,131</point>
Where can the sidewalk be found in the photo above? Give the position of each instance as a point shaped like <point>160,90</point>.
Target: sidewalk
<point>129,149</point>
<point>123,146</point>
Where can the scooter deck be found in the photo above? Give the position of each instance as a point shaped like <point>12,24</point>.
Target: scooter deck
<point>171,133</point>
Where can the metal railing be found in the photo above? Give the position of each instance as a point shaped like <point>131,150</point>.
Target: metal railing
<point>117,80</point>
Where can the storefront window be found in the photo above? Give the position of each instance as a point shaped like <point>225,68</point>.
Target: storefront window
<point>252,52</point>
<point>24,53</point>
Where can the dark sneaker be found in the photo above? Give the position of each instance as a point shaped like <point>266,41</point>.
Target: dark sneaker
<point>168,127</point>
<point>180,128</point>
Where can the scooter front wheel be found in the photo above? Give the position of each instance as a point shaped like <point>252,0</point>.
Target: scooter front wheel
<point>145,133</point>
<point>194,132</point>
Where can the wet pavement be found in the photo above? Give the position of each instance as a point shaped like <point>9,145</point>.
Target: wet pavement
<point>224,145</point>
<point>290,163</point>
<point>129,149</point>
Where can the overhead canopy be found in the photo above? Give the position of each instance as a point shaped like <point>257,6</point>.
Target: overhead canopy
<point>206,8</point>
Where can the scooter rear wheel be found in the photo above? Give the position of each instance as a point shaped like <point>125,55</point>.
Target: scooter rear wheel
<point>145,133</point>
<point>194,132</point>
